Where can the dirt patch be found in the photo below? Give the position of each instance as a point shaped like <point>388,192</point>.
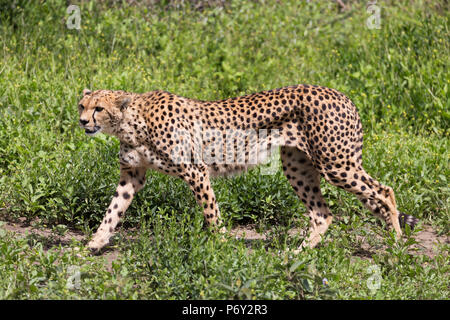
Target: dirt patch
<point>247,233</point>
<point>24,228</point>
<point>50,238</point>
<point>428,240</point>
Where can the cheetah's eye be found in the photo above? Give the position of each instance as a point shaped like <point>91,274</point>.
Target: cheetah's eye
<point>81,106</point>
<point>98,109</point>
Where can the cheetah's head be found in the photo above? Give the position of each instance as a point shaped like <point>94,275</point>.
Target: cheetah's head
<point>102,110</point>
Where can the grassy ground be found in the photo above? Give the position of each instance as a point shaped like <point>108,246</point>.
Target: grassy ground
<point>57,182</point>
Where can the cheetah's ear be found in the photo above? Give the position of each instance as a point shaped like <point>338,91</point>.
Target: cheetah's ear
<point>86,91</point>
<point>123,103</point>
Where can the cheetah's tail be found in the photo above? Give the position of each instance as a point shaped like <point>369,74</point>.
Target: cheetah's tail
<point>406,219</point>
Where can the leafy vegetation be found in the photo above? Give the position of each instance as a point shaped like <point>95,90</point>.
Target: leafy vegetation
<point>54,176</point>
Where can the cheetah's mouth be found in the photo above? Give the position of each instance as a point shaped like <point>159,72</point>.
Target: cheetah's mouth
<point>93,131</point>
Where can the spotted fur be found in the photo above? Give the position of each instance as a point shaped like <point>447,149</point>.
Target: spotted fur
<point>318,129</point>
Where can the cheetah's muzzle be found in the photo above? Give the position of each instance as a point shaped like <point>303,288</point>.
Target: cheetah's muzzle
<point>92,132</point>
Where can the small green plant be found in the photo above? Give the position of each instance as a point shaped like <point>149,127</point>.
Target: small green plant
<point>307,282</point>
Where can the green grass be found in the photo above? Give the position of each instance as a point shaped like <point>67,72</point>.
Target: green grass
<point>52,173</point>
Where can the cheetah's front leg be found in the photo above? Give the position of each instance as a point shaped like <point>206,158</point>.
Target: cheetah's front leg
<point>130,182</point>
<point>197,177</point>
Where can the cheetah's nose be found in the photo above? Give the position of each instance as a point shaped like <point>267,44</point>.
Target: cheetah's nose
<point>83,122</point>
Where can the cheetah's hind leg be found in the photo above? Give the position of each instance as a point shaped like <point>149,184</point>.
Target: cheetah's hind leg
<point>305,180</point>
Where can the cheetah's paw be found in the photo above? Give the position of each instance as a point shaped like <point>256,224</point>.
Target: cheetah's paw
<point>97,244</point>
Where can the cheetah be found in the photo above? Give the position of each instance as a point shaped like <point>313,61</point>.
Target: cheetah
<point>317,131</point>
